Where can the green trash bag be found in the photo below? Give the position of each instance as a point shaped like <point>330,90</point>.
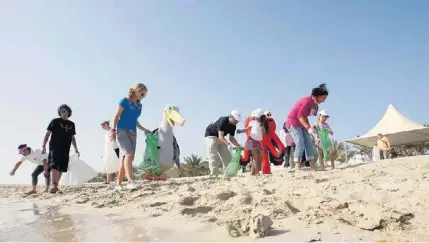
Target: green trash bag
<point>325,143</point>
<point>150,164</point>
<point>234,166</point>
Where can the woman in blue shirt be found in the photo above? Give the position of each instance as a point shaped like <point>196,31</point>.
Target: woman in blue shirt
<point>125,124</point>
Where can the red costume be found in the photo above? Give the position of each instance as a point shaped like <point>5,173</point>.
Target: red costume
<point>273,148</point>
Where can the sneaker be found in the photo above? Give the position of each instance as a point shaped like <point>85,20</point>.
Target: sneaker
<point>119,188</point>
<point>131,185</point>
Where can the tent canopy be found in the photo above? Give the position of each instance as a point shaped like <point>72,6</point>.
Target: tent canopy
<point>399,130</point>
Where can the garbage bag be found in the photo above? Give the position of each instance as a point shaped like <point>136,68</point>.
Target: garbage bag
<point>150,164</point>
<point>325,143</point>
<point>110,159</point>
<point>78,172</point>
<point>234,166</point>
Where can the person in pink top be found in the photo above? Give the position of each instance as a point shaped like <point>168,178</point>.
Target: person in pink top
<point>298,125</point>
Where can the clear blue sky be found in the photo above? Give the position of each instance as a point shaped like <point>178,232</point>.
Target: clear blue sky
<point>207,57</point>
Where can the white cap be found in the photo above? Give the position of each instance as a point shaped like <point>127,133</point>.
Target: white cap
<point>236,114</point>
<point>257,113</point>
<point>324,113</point>
<point>267,112</point>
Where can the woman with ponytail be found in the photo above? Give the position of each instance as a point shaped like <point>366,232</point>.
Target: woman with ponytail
<point>124,130</point>
<point>298,125</point>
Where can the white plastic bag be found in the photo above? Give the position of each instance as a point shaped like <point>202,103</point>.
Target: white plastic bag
<point>110,159</point>
<point>256,131</point>
<point>375,154</point>
<point>78,172</point>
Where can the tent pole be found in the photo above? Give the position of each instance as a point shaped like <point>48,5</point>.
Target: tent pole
<point>345,150</point>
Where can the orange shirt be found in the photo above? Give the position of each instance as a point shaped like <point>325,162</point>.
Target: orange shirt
<point>383,143</point>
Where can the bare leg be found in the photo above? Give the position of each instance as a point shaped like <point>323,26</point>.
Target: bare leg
<point>255,161</point>
<point>332,159</point>
<point>109,178</point>
<point>312,164</point>
<point>128,164</point>
<point>121,172</point>
<point>321,162</point>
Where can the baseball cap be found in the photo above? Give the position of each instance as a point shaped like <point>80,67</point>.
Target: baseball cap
<point>324,113</point>
<point>236,114</point>
<point>257,113</point>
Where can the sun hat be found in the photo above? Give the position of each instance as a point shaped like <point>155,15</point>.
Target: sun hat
<point>236,114</point>
<point>324,113</point>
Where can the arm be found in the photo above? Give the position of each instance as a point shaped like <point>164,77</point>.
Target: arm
<point>221,130</point>
<point>234,141</point>
<point>45,139</point>
<point>16,167</point>
<point>45,165</point>
<point>118,114</point>
<point>75,144</point>
<point>47,135</point>
<point>221,136</point>
<point>142,128</point>
<point>303,113</point>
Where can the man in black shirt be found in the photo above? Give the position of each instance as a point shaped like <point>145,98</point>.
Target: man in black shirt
<point>62,132</point>
<point>217,145</point>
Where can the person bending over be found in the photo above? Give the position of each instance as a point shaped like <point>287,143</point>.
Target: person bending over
<point>36,157</point>
<point>216,144</point>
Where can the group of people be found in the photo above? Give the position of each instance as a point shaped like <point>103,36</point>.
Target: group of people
<point>122,133</point>
<point>61,133</point>
<point>297,133</point>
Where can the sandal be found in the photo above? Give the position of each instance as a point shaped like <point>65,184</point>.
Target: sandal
<point>54,190</point>
<point>30,192</point>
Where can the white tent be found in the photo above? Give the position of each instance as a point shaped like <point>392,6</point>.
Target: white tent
<point>398,128</point>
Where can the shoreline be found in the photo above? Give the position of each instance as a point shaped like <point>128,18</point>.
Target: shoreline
<point>362,202</point>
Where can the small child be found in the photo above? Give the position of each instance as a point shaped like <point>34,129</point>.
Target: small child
<point>257,128</point>
<point>320,125</point>
<point>38,158</point>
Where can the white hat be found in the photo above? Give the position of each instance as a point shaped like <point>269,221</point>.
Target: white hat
<point>236,114</point>
<point>267,112</point>
<point>324,113</point>
<point>257,113</point>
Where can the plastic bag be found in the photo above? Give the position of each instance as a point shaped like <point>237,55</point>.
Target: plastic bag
<point>256,131</point>
<point>150,164</point>
<point>110,159</point>
<point>375,154</point>
<point>234,166</point>
<point>78,172</point>
<point>325,143</point>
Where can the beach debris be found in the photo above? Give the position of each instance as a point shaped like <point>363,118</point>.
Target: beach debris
<point>256,226</point>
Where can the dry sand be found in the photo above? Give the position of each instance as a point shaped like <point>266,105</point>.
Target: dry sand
<point>383,201</point>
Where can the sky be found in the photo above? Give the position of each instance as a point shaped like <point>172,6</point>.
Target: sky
<point>208,58</point>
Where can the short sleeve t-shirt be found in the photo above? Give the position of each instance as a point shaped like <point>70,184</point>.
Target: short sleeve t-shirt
<point>62,134</point>
<point>221,124</point>
<point>306,106</point>
<point>129,116</point>
<point>35,157</point>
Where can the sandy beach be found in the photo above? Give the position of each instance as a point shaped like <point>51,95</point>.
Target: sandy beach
<point>382,201</point>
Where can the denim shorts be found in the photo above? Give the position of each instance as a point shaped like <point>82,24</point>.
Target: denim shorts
<point>303,142</point>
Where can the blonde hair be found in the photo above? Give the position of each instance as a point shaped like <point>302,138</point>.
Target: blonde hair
<point>136,87</point>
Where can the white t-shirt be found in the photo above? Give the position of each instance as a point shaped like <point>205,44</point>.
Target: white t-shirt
<point>35,157</point>
<point>109,142</point>
<point>255,131</point>
<point>286,138</point>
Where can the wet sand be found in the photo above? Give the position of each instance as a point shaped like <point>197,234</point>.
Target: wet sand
<point>386,200</point>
